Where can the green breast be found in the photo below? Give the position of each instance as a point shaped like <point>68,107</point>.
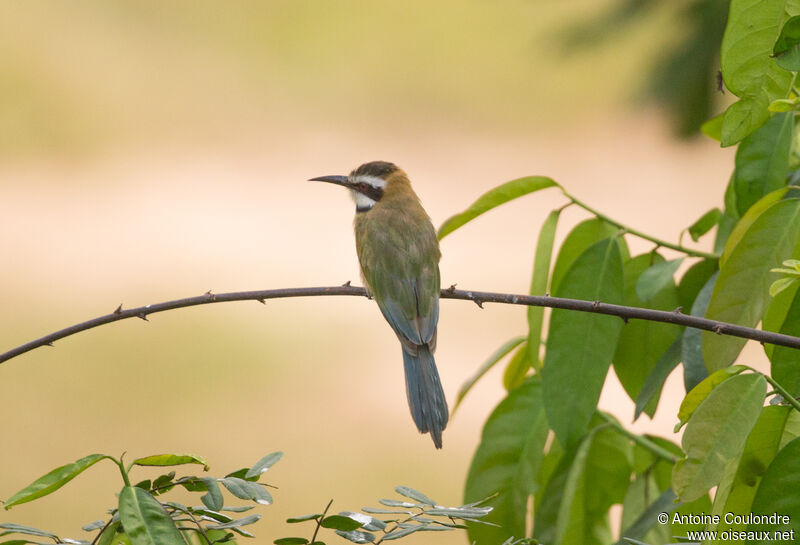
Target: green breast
<point>399,256</point>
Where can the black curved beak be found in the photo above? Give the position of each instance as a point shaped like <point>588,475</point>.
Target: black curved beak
<point>333,179</point>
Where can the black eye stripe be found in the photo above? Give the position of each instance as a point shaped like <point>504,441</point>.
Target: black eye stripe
<point>374,193</point>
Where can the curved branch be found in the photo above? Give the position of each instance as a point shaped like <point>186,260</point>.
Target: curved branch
<point>478,297</point>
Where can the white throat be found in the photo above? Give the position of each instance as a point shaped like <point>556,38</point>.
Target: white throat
<point>363,203</point>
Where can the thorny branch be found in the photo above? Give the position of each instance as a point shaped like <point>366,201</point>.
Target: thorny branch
<point>478,297</point>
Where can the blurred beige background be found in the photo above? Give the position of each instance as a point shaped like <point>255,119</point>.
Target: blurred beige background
<point>152,150</point>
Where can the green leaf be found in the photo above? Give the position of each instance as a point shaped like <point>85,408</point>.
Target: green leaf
<point>398,503</point>
<point>517,368</point>
<point>338,522</point>
<point>759,450</point>
<point>109,534</point>
<point>145,520</point>
<point>236,524</point>
<point>787,48</point>
<point>656,278</point>
<point>762,161</point>
<point>608,471</point>
<point>541,273</point>
<point>716,434</point>
<point>94,525</point>
<point>699,393</point>
<point>783,104</point>
<point>409,492</point>
<point>291,541</point>
<point>742,289</point>
<point>776,313</point>
<point>459,512</point>
<point>171,460</point>
<point>777,492</point>
<point>367,522</point>
<point>582,236</point>
<point>693,281</point>
<point>495,197</point>
<point>213,498</point>
<point>54,480</point>
<point>642,343</point>
<point>506,461</point>
<point>747,67</point>
<point>27,530</point>
<point>694,366</point>
<point>498,355</point>
<point>597,477</point>
<point>356,536</point>
<point>263,464</point>
<point>705,223</point>
<point>780,284</point>
<point>247,490</point>
<point>303,518</point>
<point>654,382</point>
<point>786,361</point>
<point>580,345</point>
<point>647,520</point>
<point>379,511</point>
<point>397,534</point>
<point>164,482</point>
<point>713,128</point>
<point>744,224</point>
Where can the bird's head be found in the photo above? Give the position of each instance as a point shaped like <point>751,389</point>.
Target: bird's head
<point>368,183</point>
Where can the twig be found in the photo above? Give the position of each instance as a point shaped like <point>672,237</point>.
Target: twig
<point>103,529</point>
<point>635,232</point>
<point>621,311</point>
<point>640,439</point>
<point>319,520</point>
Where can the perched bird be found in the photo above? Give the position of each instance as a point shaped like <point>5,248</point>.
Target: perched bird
<point>399,256</point>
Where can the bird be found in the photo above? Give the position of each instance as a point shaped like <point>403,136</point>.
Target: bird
<point>398,252</point>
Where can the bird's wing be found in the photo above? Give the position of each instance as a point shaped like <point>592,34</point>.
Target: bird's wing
<point>404,279</point>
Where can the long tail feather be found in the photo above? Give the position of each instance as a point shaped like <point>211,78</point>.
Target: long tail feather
<point>425,395</point>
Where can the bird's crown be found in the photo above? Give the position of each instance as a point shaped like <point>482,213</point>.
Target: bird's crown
<point>377,169</point>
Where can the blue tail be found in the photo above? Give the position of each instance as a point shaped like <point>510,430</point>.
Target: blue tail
<point>425,395</point>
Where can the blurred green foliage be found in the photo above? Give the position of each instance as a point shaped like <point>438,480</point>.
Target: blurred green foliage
<point>683,77</point>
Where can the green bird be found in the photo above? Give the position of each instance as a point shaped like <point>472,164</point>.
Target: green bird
<point>399,256</point>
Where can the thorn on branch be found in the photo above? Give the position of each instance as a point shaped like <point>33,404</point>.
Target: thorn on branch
<point>624,319</point>
<point>262,301</point>
<point>451,289</point>
<point>50,344</point>
<point>514,299</point>
<point>346,284</point>
<point>717,329</point>
<point>478,302</point>
<point>143,316</point>
<point>118,309</point>
<point>547,294</point>
<point>210,296</point>
<point>678,310</point>
<point>595,305</point>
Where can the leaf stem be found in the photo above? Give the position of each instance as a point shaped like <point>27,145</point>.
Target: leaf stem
<point>122,470</point>
<point>789,398</point>
<point>640,440</point>
<point>635,232</point>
